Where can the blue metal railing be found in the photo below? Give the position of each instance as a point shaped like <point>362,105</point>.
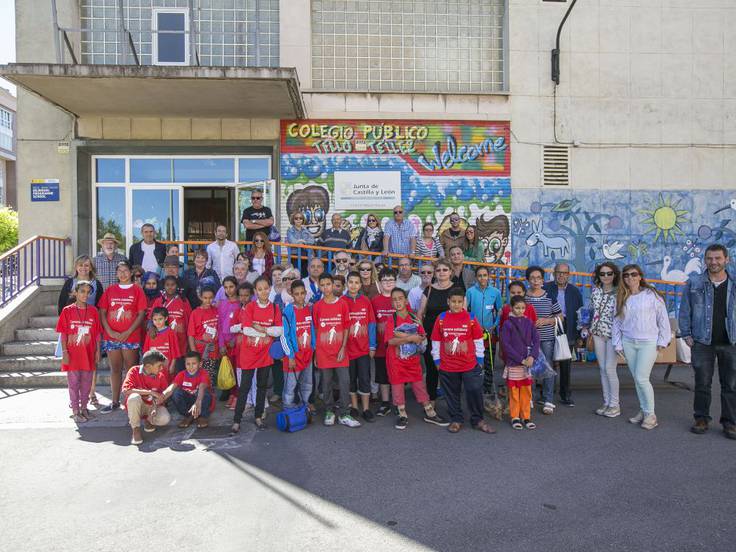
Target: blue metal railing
<point>36,259</point>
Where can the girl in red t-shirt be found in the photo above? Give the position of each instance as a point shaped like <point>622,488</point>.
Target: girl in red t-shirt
<point>260,323</point>
<point>122,310</point>
<point>179,311</point>
<point>164,340</point>
<point>79,326</point>
<point>202,332</point>
<point>401,369</point>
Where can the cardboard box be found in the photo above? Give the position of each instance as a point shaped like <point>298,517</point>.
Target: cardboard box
<point>667,355</point>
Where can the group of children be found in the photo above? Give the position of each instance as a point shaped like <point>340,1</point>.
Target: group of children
<point>344,344</point>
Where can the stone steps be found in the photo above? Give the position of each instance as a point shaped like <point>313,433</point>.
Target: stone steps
<point>46,321</point>
<point>36,334</point>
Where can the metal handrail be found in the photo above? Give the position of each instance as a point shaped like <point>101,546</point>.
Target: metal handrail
<point>28,263</point>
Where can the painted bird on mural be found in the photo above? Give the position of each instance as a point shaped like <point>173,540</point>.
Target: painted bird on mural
<point>731,205</point>
<point>565,205</point>
<point>694,265</point>
<point>611,250</point>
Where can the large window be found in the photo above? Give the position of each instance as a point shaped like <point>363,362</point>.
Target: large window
<point>6,130</point>
<point>409,45</point>
<point>230,33</point>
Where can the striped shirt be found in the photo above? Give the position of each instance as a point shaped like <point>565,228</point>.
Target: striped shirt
<point>107,269</point>
<point>435,251</point>
<point>545,307</point>
<point>400,236</point>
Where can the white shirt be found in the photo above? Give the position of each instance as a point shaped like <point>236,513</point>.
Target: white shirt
<point>415,298</point>
<point>149,262</point>
<point>410,284</point>
<point>259,265</point>
<point>645,318</point>
<point>222,258</point>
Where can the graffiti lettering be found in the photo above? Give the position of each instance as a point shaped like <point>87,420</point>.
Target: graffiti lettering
<point>454,155</point>
<point>333,146</point>
<point>387,132</point>
<point>336,132</point>
<point>391,146</point>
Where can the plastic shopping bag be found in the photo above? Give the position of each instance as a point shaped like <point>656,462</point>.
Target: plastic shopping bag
<point>225,375</point>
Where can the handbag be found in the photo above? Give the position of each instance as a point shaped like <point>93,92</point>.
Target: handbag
<point>225,375</point>
<point>684,354</point>
<point>562,347</point>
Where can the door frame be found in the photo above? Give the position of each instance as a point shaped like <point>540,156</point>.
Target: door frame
<point>247,187</point>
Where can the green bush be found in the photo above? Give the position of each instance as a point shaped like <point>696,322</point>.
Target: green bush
<point>8,229</point>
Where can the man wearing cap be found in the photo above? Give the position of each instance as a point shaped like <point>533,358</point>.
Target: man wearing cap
<point>106,262</point>
<point>148,252</point>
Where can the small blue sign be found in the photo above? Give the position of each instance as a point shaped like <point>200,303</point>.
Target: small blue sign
<point>45,190</point>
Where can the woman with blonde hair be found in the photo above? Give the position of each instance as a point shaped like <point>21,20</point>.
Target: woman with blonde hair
<point>641,328</point>
<point>368,278</point>
<point>260,255</point>
<point>371,237</point>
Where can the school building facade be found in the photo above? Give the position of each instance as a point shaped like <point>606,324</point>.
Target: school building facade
<point>172,111</point>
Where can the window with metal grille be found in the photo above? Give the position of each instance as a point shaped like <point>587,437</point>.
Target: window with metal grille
<point>409,45</point>
<point>555,165</point>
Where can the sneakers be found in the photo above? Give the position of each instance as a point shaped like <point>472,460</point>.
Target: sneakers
<point>137,437</point>
<point>436,420</point>
<point>700,426</point>
<point>548,409</point>
<point>230,404</point>
<point>601,411</point>
<point>637,419</point>
<point>110,408</point>
<point>347,420</point>
<point>354,412</point>
<point>729,430</point>
<point>612,412</point>
<point>329,418</point>
<point>383,410</point>
<point>568,402</point>
<point>148,427</point>
<point>401,422</point>
<point>649,421</point>
<point>369,416</point>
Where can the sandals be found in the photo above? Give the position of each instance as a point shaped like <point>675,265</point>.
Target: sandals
<point>260,424</point>
<point>202,423</point>
<point>516,424</point>
<point>94,402</point>
<point>454,427</point>
<point>485,427</point>
<point>529,424</point>
<point>186,422</point>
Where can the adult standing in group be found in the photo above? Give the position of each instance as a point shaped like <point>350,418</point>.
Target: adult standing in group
<point>453,236</point>
<point>474,249</point>
<point>260,255</point>
<point>148,253</point>
<point>342,264</point>
<point>606,279</point>
<point>371,237</point>
<point>640,329</point>
<point>337,236</point>
<point>297,235</point>
<point>463,276</point>
<point>434,303</point>
<point>311,281</point>
<point>570,300</point>
<point>426,274</point>
<point>221,253</point>
<point>199,276</point>
<point>368,278</point>
<point>122,310</point>
<point>548,312</point>
<point>707,321</point>
<point>84,269</point>
<point>242,273</point>
<point>406,279</point>
<point>256,218</point>
<point>399,235</point>
<point>106,262</point>
<point>429,245</point>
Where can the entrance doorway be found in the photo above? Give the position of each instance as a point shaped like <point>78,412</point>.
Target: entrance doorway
<point>204,209</point>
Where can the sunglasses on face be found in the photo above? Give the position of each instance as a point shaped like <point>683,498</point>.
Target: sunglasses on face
<point>372,220</point>
<point>258,241</point>
<point>365,269</point>
<point>287,278</point>
<point>605,273</point>
<point>341,260</point>
<point>453,221</point>
<point>398,212</point>
<point>388,280</point>
<point>631,275</point>
<point>443,270</point>
<point>426,273</point>
<point>256,198</point>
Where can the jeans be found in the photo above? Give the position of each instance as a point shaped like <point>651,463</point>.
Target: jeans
<point>489,385</point>
<point>183,401</point>
<point>548,384</point>
<point>703,360</point>
<point>297,380</point>
<point>607,359</point>
<point>640,356</point>
<point>343,380</point>
<point>565,369</point>
<point>246,381</point>
<point>452,383</point>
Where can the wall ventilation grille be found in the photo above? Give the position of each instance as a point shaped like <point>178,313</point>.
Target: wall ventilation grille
<point>556,165</point>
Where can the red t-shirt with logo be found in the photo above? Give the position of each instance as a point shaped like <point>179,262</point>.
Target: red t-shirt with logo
<point>81,328</point>
<point>254,351</point>
<point>331,321</point>
<point>383,310</point>
<point>123,306</point>
<point>138,379</point>
<point>456,332</point>
<point>203,328</point>
<point>401,370</point>
<point>166,343</point>
<point>179,313</point>
<point>189,383</point>
<point>361,314</point>
<point>304,354</point>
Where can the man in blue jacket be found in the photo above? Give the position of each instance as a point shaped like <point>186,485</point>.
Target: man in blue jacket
<point>485,303</point>
<point>570,299</point>
<point>148,253</point>
<point>708,325</point>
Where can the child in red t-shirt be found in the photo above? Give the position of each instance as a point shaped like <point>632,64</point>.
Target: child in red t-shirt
<point>457,351</point>
<point>164,340</point>
<point>300,338</point>
<point>404,368</point>
<point>202,332</point>
<point>331,322</point>
<point>191,392</point>
<point>79,326</point>
<point>383,309</point>
<point>179,312</point>
<point>143,391</point>
<point>361,346</point>
<point>260,322</point>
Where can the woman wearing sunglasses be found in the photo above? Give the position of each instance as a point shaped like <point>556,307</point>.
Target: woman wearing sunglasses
<point>368,278</point>
<point>298,234</point>
<point>641,328</point>
<point>260,256</point>
<point>603,304</point>
<point>371,237</point>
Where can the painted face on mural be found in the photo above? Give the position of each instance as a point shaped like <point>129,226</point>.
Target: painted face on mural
<point>494,235</point>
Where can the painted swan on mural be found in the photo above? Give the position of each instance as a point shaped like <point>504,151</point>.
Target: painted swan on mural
<point>693,266</point>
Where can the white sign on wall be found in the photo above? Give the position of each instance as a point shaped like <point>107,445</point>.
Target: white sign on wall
<point>364,190</point>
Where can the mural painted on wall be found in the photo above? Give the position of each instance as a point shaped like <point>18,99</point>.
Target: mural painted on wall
<point>432,168</point>
<point>664,232</point>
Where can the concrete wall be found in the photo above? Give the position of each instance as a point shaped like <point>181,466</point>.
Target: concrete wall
<point>153,128</point>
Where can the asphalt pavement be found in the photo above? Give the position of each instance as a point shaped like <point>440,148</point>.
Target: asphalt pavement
<point>578,482</point>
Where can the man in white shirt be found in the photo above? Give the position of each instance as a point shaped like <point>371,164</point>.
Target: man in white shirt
<point>406,279</point>
<point>222,253</point>
<point>148,253</point>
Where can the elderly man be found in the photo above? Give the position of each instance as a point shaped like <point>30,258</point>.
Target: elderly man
<point>406,279</point>
<point>106,262</point>
<point>148,252</point>
<point>462,276</point>
<point>708,323</point>
<point>342,264</point>
<point>336,236</point>
<point>256,218</point>
<point>570,299</point>
<point>311,282</point>
<point>399,235</point>
<point>453,236</point>
<point>222,253</point>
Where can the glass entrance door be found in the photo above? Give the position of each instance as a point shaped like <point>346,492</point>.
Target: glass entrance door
<point>242,195</point>
<point>158,206</point>
<point>204,209</point>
